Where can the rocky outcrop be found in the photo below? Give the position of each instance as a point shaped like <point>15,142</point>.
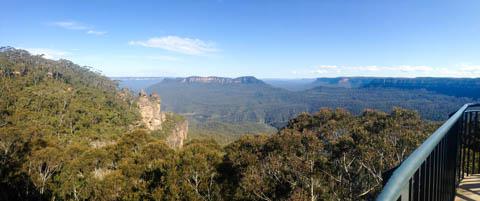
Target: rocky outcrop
<point>149,106</point>
<point>216,80</point>
<point>153,119</point>
<point>100,173</point>
<point>178,135</point>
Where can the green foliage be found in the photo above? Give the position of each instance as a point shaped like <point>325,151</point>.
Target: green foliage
<point>230,103</point>
<point>260,103</point>
<point>66,133</point>
<point>46,108</point>
<point>430,105</point>
<point>331,155</point>
<point>171,120</point>
<point>197,171</point>
<point>224,132</point>
<point>75,102</point>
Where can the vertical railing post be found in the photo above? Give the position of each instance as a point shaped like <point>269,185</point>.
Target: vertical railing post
<point>404,196</point>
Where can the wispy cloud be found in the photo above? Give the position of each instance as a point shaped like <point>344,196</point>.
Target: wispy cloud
<point>472,69</point>
<point>370,69</point>
<point>48,53</point>
<point>402,68</point>
<point>191,46</point>
<point>98,33</point>
<point>73,25</point>
<point>396,71</point>
<point>326,69</point>
<point>163,58</point>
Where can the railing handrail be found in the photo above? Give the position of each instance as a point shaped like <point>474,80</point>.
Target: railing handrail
<point>401,176</point>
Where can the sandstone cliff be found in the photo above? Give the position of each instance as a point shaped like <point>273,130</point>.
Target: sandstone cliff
<point>152,116</point>
<point>171,127</point>
<point>178,134</point>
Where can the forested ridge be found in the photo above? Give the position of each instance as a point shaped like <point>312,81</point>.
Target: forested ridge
<point>68,133</point>
<point>256,103</point>
<point>460,87</point>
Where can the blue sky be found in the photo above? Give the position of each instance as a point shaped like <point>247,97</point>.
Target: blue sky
<point>267,39</point>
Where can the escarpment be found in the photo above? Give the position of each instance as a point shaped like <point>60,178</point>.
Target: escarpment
<point>214,80</point>
<point>178,134</point>
<point>149,106</point>
<point>174,130</point>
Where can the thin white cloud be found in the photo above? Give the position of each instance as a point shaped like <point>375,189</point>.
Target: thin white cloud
<point>98,33</point>
<point>418,68</point>
<point>470,68</point>
<point>163,58</point>
<point>402,68</point>
<point>396,71</point>
<point>327,67</point>
<point>48,53</point>
<point>73,25</point>
<point>462,70</point>
<point>366,68</point>
<point>191,46</point>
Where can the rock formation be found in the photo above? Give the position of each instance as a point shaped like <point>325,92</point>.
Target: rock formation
<point>150,110</point>
<point>178,135</point>
<point>153,119</point>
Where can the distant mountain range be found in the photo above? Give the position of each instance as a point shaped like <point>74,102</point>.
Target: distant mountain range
<point>136,83</point>
<point>459,87</point>
<point>291,84</point>
<point>215,80</point>
<point>346,82</point>
<point>274,101</point>
<point>243,99</point>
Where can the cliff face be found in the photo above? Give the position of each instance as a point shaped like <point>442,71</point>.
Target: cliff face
<point>154,119</point>
<point>216,80</point>
<point>152,116</point>
<point>178,135</point>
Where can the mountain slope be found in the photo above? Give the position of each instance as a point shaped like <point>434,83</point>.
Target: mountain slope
<point>291,84</point>
<point>136,83</point>
<point>222,99</point>
<point>67,133</point>
<point>52,114</point>
<point>243,99</point>
<point>459,87</point>
<point>430,105</point>
<point>59,97</point>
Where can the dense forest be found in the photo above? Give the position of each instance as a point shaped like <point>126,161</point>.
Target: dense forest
<point>68,133</point>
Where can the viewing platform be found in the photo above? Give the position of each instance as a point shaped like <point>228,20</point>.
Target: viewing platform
<point>446,167</point>
<point>469,189</point>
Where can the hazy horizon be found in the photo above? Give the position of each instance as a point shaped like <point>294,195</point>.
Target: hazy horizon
<point>285,78</point>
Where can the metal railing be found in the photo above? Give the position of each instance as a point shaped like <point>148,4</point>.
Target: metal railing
<point>434,170</point>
